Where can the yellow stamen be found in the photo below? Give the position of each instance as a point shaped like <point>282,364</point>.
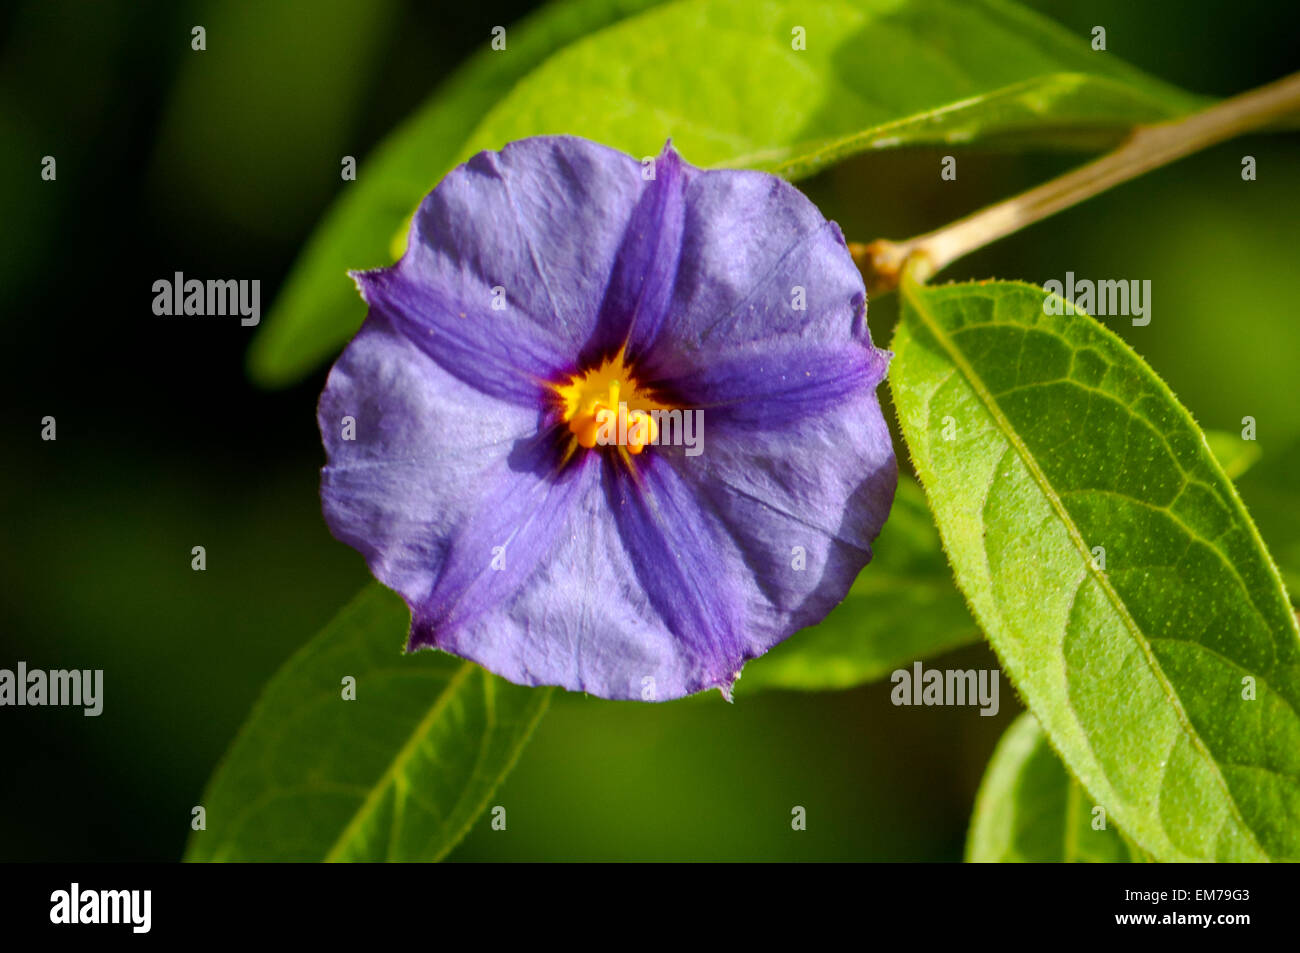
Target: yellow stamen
<point>606,406</point>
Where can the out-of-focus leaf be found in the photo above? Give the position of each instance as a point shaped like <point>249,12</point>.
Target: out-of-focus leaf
<point>1029,809</point>
<point>1234,454</point>
<point>1272,491</point>
<point>400,772</point>
<point>725,81</point>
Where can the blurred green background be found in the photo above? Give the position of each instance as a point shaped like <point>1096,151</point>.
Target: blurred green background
<point>220,164</point>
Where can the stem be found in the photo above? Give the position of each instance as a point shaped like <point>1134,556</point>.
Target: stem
<point>1146,148</point>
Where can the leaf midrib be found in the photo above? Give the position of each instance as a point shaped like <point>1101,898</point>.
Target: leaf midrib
<point>909,289</point>
<point>407,751</point>
<point>809,152</point>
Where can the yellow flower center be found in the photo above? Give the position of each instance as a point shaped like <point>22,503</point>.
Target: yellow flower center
<point>606,406</point>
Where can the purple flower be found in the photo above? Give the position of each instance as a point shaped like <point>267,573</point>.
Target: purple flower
<point>500,433</point>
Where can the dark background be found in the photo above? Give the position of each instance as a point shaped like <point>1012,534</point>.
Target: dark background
<point>218,165</point>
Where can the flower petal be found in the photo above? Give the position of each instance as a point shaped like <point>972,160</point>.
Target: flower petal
<point>503,359</point>
<point>513,526</point>
<point>544,218</point>
<point>508,260</point>
<point>766,387</point>
<point>801,505</point>
<point>645,271</point>
<point>684,564</point>
<point>760,268</point>
<point>631,603</point>
<point>409,449</point>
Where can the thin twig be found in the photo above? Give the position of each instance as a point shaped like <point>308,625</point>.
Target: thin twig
<point>1146,148</point>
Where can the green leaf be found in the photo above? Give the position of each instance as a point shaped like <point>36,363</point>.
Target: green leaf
<point>399,773</point>
<point>318,308</point>
<point>902,607</point>
<point>1029,809</point>
<point>721,78</point>
<point>1042,440</point>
